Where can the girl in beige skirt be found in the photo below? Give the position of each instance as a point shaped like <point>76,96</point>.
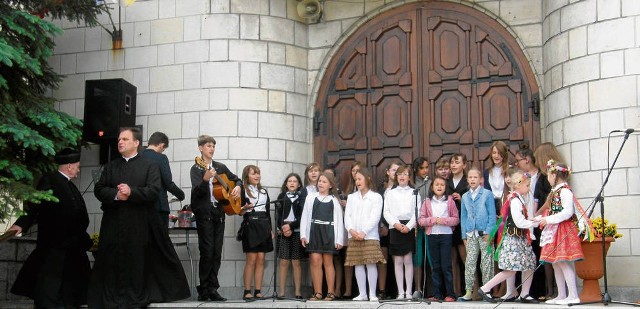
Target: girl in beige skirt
<point>361,220</point>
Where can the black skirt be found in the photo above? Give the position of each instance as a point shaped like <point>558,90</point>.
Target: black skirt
<point>399,243</point>
<point>289,248</point>
<point>257,234</point>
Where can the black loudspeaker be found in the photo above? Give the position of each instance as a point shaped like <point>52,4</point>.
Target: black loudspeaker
<point>109,104</point>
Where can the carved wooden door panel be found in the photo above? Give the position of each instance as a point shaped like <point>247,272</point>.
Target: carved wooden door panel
<point>425,79</point>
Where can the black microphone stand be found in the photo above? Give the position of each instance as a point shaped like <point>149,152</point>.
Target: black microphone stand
<point>606,298</point>
<point>276,260</point>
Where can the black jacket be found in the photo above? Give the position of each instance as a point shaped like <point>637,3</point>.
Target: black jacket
<point>162,204</point>
<point>201,192</point>
<point>284,207</point>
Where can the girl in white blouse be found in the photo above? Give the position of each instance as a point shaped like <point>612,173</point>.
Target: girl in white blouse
<point>361,220</point>
<point>400,212</point>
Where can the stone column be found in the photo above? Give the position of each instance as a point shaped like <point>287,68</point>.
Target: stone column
<point>591,64</point>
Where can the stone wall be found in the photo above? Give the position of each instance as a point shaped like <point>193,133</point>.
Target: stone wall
<point>12,254</point>
<point>591,66</point>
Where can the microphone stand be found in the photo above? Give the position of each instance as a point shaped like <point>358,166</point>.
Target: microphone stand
<point>279,203</point>
<point>606,298</point>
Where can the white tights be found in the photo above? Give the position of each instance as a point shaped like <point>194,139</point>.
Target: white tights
<point>564,273</point>
<point>510,277</point>
<point>361,278</point>
<point>398,262</point>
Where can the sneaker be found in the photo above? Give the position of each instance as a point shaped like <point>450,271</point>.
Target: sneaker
<point>401,296</point>
<point>554,301</point>
<point>373,298</point>
<point>360,298</point>
<point>449,299</point>
<point>462,298</point>
<point>434,299</point>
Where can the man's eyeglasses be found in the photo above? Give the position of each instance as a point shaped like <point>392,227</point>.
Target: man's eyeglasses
<point>518,160</point>
<point>403,174</point>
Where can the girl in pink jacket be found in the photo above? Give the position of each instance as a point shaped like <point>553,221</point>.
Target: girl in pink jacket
<point>439,216</point>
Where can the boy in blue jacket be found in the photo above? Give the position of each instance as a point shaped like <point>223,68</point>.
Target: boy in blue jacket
<point>477,218</point>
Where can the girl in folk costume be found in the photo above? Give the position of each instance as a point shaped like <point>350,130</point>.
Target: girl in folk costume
<point>514,241</point>
<point>288,217</point>
<point>362,216</point>
<point>322,233</point>
<point>560,243</point>
<point>258,235</point>
<point>439,216</point>
<point>399,212</point>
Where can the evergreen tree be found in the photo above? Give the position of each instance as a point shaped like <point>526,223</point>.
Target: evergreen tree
<point>31,129</point>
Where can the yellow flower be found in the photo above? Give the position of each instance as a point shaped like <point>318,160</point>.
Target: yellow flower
<point>610,230</point>
<point>95,238</point>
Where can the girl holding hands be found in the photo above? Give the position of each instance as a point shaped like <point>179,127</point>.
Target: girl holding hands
<point>516,253</point>
<point>561,245</point>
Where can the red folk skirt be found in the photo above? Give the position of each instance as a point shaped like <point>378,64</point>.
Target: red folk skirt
<point>566,247</point>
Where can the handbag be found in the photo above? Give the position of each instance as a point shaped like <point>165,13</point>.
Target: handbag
<point>241,230</point>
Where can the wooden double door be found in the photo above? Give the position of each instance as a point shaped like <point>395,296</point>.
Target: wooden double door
<point>424,79</point>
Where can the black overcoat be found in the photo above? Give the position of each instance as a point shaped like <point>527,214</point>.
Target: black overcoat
<point>56,273</point>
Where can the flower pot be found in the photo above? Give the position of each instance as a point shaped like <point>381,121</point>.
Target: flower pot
<point>591,269</point>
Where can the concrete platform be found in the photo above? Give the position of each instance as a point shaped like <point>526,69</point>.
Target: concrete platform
<point>269,303</point>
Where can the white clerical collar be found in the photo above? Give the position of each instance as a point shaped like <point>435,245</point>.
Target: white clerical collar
<point>65,175</point>
<point>129,158</point>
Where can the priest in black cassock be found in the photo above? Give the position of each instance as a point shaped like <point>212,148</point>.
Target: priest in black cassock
<point>56,273</point>
<point>136,263</point>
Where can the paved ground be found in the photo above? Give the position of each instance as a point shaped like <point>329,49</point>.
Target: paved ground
<point>334,304</point>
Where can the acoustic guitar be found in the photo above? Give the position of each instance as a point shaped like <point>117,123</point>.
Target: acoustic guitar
<point>222,188</point>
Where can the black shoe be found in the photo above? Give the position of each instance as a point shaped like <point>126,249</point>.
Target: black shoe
<point>203,297</point>
<point>215,296</point>
<point>486,297</point>
<point>527,300</point>
<point>507,300</point>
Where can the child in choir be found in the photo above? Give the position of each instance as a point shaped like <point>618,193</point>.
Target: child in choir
<point>322,234</point>
<point>514,241</point>
<point>258,235</point>
<point>342,272</point>
<point>311,174</point>
<point>442,168</point>
<point>399,212</point>
<point>383,229</point>
<point>351,186</point>
<point>439,216</point>
<point>362,216</point>
<point>288,215</point>
<point>477,220</point>
<point>560,243</point>
<point>422,183</point>
<point>457,185</point>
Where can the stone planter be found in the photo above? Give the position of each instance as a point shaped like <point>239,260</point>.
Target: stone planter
<point>591,269</point>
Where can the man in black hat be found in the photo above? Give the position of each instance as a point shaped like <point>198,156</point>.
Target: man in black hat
<point>56,274</point>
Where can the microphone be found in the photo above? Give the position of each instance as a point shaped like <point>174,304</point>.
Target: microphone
<point>296,193</point>
<point>416,190</point>
<point>627,131</point>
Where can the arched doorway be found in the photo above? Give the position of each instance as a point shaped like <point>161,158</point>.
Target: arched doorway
<point>424,79</point>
